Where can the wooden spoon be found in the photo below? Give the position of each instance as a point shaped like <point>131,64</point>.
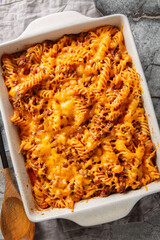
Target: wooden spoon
<point>14,223</point>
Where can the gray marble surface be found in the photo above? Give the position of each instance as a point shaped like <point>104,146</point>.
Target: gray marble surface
<point>143,222</point>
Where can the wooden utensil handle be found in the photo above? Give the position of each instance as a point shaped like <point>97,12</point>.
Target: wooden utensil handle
<point>3,153</point>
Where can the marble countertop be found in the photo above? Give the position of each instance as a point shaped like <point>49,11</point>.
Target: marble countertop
<point>143,222</point>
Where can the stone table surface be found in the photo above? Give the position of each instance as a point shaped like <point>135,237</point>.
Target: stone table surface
<point>143,222</point>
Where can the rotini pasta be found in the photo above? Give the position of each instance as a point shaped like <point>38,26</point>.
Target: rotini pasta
<point>83,128</point>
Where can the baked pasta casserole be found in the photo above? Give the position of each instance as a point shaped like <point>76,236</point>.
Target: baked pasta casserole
<point>83,128</point>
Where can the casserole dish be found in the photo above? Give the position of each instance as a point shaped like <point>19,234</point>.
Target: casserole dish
<point>97,210</point>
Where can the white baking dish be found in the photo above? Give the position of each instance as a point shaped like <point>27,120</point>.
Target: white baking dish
<point>97,210</point>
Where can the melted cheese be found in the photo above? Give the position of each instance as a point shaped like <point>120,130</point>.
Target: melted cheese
<point>83,129</point>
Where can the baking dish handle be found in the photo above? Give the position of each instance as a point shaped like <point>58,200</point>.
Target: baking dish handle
<point>108,213</point>
<point>53,22</point>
